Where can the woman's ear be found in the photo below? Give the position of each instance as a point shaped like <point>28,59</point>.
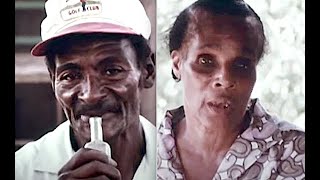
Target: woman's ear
<point>176,62</point>
<point>149,72</point>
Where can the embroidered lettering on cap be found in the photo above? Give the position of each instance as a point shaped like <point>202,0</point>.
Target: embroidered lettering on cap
<point>81,8</point>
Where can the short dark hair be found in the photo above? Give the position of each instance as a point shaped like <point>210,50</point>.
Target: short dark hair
<point>178,31</point>
<point>140,45</point>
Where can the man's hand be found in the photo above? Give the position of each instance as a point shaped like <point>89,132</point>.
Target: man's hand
<point>89,164</point>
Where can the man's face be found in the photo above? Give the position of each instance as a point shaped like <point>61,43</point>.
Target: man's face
<point>99,78</point>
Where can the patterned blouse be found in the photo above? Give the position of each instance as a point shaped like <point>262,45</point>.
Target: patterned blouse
<point>267,149</point>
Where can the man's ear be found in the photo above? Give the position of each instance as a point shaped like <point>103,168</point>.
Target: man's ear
<point>176,62</point>
<point>52,79</point>
<point>149,72</point>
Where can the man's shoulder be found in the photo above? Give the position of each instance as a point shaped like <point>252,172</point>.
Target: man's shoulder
<point>150,134</point>
<point>146,124</point>
<point>29,151</point>
<point>147,167</point>
<point>32,161</point>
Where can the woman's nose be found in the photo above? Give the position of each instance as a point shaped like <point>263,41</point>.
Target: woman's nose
<point>223,79</point>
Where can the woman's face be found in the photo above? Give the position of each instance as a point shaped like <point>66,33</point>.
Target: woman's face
<point>217,66</point>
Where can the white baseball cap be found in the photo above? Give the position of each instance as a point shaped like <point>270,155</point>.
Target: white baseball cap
<point>90,16</point>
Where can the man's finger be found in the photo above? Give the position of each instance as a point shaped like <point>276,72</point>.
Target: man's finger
<point>84,156</point>
<point>95,168</point>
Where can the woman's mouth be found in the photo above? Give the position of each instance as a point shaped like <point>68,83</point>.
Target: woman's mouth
<point>221,106</point>
<point>227,105</point>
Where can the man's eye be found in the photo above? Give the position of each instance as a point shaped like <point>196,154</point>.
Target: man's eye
<point>204,60</point>
<point>70,76</point>
<point>113,71</point>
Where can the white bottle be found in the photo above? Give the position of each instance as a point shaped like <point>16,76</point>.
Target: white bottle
<point>97,142</point>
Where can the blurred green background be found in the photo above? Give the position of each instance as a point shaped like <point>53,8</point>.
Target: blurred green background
<point>280,82</point>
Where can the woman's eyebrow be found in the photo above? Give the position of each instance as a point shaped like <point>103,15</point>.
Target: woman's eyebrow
<point>249,51</point>
<point>211,45</point>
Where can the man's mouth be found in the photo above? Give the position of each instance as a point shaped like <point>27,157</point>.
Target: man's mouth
<point>105,113</point>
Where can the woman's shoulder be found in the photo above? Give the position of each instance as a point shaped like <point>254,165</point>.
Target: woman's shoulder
<point>266,125</point>
<point>258,111</point>
<point>172,118</point>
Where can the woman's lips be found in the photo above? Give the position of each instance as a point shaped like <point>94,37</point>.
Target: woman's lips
<point>220,106</point>
<point>225,105</point>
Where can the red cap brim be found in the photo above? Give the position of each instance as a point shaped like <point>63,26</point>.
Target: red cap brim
<point>40,49</point>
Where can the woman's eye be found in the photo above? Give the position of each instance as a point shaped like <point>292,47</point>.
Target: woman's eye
<point>204,60</point>
<point>243,64</point>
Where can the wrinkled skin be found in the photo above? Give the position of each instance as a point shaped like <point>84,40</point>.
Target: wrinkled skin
<point>102,81</point>
<point>102,78</point>
<point>217,66</point>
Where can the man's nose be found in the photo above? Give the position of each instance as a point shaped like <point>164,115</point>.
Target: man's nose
<point>91,91</point>
<point>223,79</point>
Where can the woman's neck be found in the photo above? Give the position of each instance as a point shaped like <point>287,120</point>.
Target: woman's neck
<point>202,148</point>
<point>206,140</point>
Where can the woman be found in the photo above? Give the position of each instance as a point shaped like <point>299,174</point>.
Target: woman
<point>220,133</point>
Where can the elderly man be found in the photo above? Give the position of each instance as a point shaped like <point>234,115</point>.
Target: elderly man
<point>99,61</point>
